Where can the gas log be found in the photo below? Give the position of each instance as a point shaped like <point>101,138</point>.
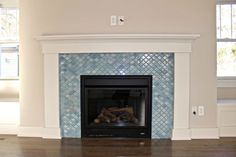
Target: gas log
<point>116,115</point>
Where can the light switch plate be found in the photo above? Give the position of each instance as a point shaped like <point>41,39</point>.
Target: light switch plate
<point>113,20</point>
<point>201,111</point>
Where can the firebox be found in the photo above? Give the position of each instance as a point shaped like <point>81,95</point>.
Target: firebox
<point>116,106</point>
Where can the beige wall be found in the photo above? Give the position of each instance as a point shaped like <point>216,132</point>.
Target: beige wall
<point>39,17</point>
<point>9,90</point>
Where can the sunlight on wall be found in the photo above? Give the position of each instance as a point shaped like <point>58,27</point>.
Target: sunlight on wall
<point>9,118</point>
<point>9,90</point>
<point>9,113</point>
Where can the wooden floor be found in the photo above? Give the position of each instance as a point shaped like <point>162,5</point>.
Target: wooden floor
<point>12,146</point>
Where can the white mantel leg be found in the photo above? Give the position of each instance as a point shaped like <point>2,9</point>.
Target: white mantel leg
<point>51,97</point>
<point>181,129</point>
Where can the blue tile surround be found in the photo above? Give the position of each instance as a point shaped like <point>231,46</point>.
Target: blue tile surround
<point>159,65</point>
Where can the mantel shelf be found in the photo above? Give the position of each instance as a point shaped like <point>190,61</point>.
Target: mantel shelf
<point>119,37</point>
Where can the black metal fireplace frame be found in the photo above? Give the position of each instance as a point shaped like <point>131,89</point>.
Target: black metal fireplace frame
<point>122,81</point>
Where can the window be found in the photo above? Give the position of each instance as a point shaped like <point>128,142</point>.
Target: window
<point>226,38</point>
<point>9,45</point>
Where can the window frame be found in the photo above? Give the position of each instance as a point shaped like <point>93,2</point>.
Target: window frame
<point>12,50</point>
<point>226,81</point>
<point>11,41</point>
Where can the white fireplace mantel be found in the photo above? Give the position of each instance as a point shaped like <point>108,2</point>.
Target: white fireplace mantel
<point>180,44</point>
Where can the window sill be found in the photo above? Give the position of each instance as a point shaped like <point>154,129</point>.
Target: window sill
<point>9,78</point>
<point>226,82</point>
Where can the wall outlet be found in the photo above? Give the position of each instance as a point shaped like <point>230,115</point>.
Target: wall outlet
<point>194,110</point>
<point>201,111</point>
<point>121,20</point>
<point>113,20</point>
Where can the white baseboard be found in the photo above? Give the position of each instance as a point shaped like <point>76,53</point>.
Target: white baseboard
<point>9,129</point>
<point>48,133</point>
<point>30,132</point>
<point>227,117</point>
<point>181,134</point>
<point>52,133</point>
<point>195,133</point>
<point>204,133</point>
<point>228,131</point>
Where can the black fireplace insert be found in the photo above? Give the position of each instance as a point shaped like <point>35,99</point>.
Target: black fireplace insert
<point>116,105</point>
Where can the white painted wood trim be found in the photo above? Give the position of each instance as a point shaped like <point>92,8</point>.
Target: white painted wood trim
<point>181,91</point>
<point>47,133</point>
<point>181,134</point>
<point>227,117</point>
<point>228,131</point>
<point>226,83</point>
<point>56,47</point>
<point>30,132</point>
<point>113,37</point>
<point>204,133</point>
<point>117,43</point>
<point>52,133</point>
<point>51,91</point>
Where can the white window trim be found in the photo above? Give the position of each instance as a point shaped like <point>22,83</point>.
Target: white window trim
<point>226,1</point>
<point>226,81</point>
<point>10,78</point>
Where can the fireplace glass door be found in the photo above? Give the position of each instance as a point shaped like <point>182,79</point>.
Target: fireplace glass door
<point>116,106</point>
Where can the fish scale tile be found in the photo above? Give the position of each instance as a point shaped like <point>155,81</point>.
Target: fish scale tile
<point>159,65</point>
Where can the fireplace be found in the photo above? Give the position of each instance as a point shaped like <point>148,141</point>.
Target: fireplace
<point>116,106</point>
<point>53,46</point>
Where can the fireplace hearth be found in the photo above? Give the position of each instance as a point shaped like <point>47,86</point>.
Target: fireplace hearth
<point>116,105</point>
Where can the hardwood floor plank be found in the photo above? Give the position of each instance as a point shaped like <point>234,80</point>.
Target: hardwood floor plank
<point>12,146</point>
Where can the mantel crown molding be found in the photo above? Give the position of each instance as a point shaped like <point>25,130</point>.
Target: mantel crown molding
<point>117,43</point>
<point>113,37</point>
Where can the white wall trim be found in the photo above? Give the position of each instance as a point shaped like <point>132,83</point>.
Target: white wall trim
<point>226,83</point>
<point>52,133</point>
<point>47,133</point>
<point>227,117</point>
<point>112,37</point>
<point>181,134</point>
<point>228,131</point>
<point>117,43</point>
<point>204,133</point>
<point>30,132</point>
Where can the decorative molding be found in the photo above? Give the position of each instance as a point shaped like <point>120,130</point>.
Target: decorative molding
<point>30,132</point>
<point>138,37</point>
<point>226,82</point>
<point>52,133</point>
<point>204,133</point>
<point>181,134</point>
<point>227,117</point>
<point>117,43</point>
<point>9,100</point>
<point>48,133</point>
<point>228,131</point>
